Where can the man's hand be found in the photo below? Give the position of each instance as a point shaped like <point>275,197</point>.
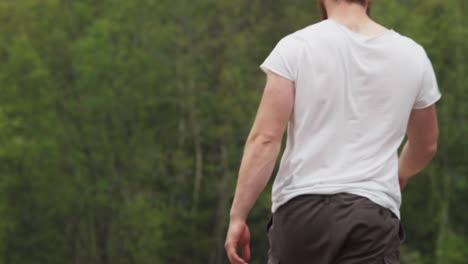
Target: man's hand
<point>238,236</point>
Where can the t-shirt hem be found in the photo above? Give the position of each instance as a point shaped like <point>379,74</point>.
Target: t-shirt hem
<point>430,102</point>
<point>266,68</point>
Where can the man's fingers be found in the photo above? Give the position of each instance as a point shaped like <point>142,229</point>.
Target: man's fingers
<point>245,243</point>
<point>232,254</point>
<point>238,237</point>
<point>246,252</point>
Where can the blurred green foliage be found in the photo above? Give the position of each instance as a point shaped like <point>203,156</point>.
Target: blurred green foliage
<point>122,125</point>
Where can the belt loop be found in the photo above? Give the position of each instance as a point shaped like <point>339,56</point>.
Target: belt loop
<point>327,199</point>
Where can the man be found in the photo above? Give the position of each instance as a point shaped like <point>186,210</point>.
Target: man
<point>348,90</point>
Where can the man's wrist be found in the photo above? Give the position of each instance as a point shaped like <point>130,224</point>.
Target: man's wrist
<point>237,217</point>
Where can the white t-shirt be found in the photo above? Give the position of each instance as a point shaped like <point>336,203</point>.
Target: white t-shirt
<point>353,98</point>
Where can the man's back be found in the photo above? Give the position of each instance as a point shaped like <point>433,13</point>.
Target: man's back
<point>348,90</point>
<point>353,98</point>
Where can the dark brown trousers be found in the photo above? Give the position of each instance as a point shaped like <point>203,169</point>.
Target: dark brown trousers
<point>341,228</point>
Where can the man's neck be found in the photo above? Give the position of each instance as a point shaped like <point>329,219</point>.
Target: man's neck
<point>352,15</point>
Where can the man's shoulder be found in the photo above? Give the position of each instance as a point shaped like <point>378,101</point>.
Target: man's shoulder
<point>303,35</point>
<point>407,41</point>
<point>310,30</point>
<point>410,47</point>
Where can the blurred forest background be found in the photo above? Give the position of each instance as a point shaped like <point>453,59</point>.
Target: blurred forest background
<point>122,126</point>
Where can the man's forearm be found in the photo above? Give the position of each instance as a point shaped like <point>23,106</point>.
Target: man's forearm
<point>257,165</point>
<point>413,160</point>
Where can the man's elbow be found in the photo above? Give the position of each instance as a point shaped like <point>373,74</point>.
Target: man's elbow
<point>264,138</point>
<point>429,151</point>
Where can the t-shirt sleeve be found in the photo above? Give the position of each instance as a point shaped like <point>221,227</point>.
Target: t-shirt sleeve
<point>429,90</point>
<point>283,59</point>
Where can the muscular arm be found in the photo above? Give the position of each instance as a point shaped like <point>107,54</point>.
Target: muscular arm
<point>421,145</point>
<point>259,158</point>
